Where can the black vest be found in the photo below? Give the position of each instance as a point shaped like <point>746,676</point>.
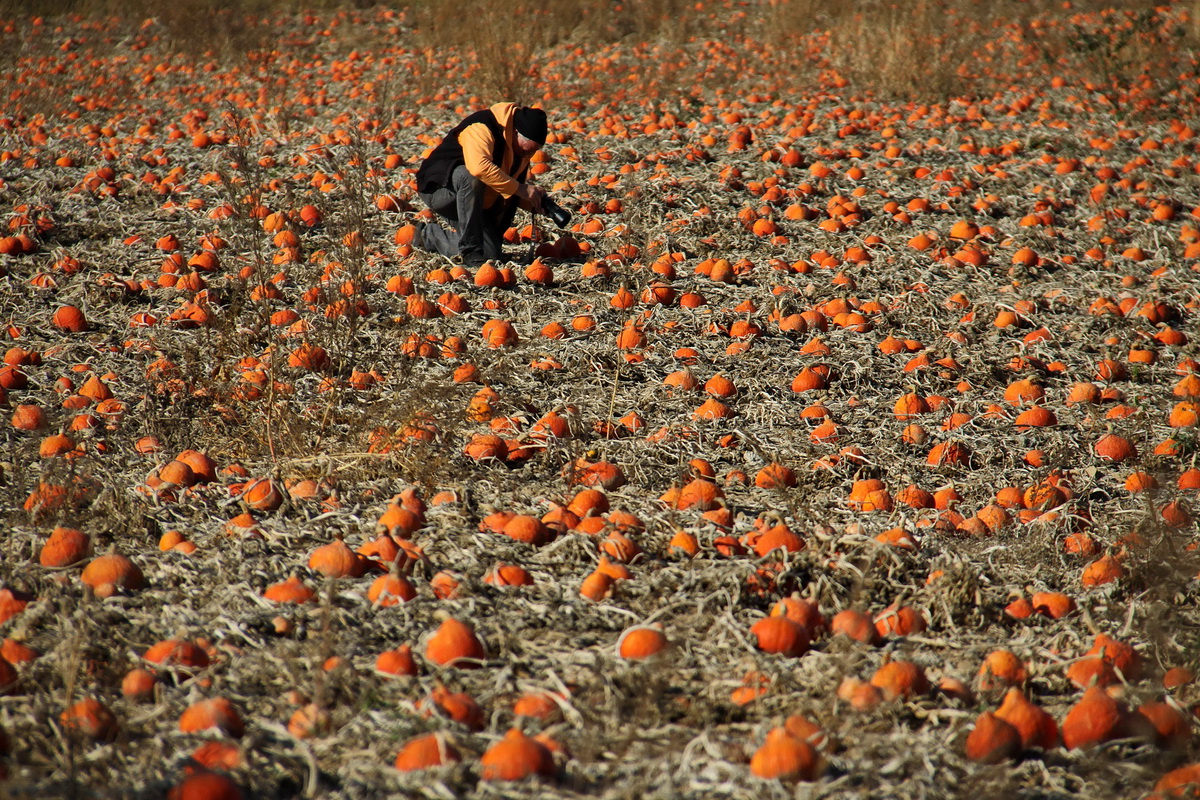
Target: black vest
<point>436,170</point>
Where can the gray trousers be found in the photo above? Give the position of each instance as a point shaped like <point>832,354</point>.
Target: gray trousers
<point>478,232</point>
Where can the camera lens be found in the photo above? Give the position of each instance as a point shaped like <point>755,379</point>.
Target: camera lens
<point>561,217</point>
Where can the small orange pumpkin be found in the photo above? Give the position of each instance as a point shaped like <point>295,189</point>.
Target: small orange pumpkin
<point>309,720</point>
<point>898,620</point>
<point>70,319</point>
<point>111,572</point>
<point>1002,669</point>
<point>203,468</point>
<point>642,642</point>
<point>517,756</point>
<point>778,537</point>
<point>1115,448</point>
<point>900,679</point>
<point>1095,719</point>
<point>262,494</point>
<point>805,613</point>
<point>700,494</point>
<point>58,444</point>
<point>177,654</point>
<point>1036,727</point>
<point>856,625</point>
<point>28,417</point>
<point>176,472</point>
<point>596,586</point>
<point>398,662</point>
<point>1182,782</point>
<point>65,546</point>
<point>426,752</point>
<point>508,575</point>
<point>138,684</point>
<point>91,718</point>
<point>454,644</point>
<point>337,560</point>
<point>992,740</point>
<point>778,634</point>
<point>389,590</point>
<point>1170,727</point>
<point>528,529</point>
<point>538,705</point>
<point>459,706</point>
<point>217,712</point>
<point>787,758</point>
<point>292,590</point>
<point>205,786</point>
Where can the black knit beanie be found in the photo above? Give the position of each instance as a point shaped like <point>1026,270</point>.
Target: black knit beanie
<point>531,123</point>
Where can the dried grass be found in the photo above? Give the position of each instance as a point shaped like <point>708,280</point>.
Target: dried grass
<point>666,729</point>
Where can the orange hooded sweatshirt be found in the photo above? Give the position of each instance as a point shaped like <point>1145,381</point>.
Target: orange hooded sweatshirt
<point>494,162</point>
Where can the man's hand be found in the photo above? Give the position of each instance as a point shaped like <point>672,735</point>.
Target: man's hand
<point>532,195</point>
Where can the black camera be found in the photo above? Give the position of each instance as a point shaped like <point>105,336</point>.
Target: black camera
<point>561,217</point>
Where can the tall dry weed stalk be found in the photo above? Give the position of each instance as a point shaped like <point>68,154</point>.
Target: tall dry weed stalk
<point>927,50</point>
<point>910,51</point>
<point>649,20</point>
<point>505,43</point>
<point>188,26</point>
<point>1131,58</point>
<point>782,20</point>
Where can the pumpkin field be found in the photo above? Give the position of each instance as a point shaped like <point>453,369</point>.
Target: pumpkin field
<point>845,445</point>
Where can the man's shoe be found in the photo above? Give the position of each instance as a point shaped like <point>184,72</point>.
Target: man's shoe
<point>473,260</point>
<point>419,236</point>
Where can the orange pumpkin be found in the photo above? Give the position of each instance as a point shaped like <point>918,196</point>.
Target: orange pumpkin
<point>398,662</point>
<point>1096,718</point>
<point>205,786</point>
<point>217,712</point>
<point>1036,727</point>
<point>177,654</point>
<point>426,752</point>
<point>787,758</point>
<point>642,642</point>
<point>69,319</point>
<point>856,625</point>
<point>1115,448</point>
<point>992,740</point>
<point>779,634</point>
<point>900,679</point>
<point>454,644</point>
<point>91,718</point>
<point>65,546</point>
<point>292,590</point>
<point>337,560</point>
<point>517,756</point>
<point>389,590</point>
<point>111,572</point>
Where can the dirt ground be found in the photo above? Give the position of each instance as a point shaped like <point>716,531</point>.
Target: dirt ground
<point>794,314</point>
